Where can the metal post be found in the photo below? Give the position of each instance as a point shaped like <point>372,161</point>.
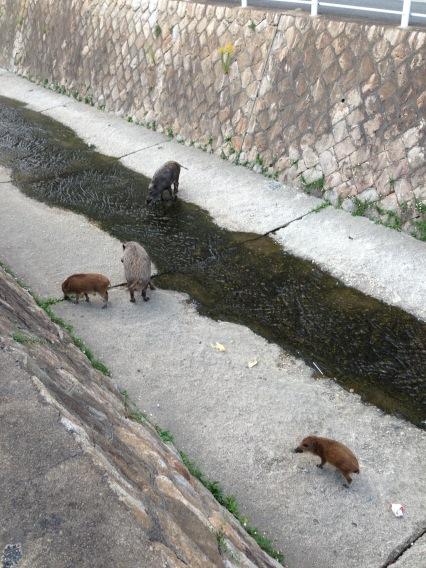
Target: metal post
<point>314,7</point>
<point>243,3</point>
<point>406,9</point>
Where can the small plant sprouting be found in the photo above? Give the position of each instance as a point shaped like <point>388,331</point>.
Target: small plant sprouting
<point>420,230</point>
<point>221,542</point>
<point>129,119</point>
<point>321,207</point>
<point>131,411</point>
<point>252,25</point>
<point>157,31</point>
<point>227,56</point>
<point>360,207</point>
<point>392,182</point>
<point>210,141</point>
<point>316,185</point>
<point>420,206</point>
<point>25,339</point>
<point>165,435</point>
<point>169,132</point>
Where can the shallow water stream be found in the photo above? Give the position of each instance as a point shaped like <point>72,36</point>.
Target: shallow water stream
<point>377,350</point>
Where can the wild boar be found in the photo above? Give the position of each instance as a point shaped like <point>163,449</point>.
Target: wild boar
<point>162,181</point>
<point>89,283</point>
<point>137,269</point>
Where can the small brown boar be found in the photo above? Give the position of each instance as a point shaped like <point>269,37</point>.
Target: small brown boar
<point>333,452</point>
<point>162,181</point>
<point>137,269</point>
<point>89,283</point>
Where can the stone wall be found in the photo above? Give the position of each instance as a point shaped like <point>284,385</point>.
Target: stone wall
<point>335,107</point>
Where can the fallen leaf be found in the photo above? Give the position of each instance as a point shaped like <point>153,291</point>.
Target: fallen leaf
<point>252,363</point>
<point>218,346</point>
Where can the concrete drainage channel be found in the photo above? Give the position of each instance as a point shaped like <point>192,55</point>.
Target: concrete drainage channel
<point>368,346</point>
<point>255,415</point>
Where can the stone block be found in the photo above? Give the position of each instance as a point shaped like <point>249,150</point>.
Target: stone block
<point>328,162</point>
<point>416,157</point>
<point>396,150</point>
<point>309,157</point>
<point>344,148</point>
<point>389,203</point>
<point>403,190</point>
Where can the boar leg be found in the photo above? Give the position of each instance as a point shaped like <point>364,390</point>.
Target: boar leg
<point>87,297</point>
<point>144,296</point>
<point>77,297</point>
<point>176,186</point>
<point>151,285</point>
<point>105,297</point>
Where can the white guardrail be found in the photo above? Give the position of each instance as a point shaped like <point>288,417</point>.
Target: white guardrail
<point>405,12</point>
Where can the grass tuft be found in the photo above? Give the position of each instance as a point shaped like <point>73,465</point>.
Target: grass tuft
<point>46,305</point>
<point>165,435</point>
<point>321,207</point>
<point>316,185</point>
<point>361,207</point>
<point>25,339</point>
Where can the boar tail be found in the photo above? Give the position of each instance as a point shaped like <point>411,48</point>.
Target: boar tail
<point>117,285</point>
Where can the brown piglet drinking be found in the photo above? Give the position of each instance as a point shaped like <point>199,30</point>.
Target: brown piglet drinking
<point>333,452</point>
<point>89,283</point>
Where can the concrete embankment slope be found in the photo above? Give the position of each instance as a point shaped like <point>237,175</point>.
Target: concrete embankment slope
<point>378,261</point>
<point>82,485</point>
<point>239,424</point>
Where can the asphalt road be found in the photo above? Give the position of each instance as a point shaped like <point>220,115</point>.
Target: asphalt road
<point>416,6</point>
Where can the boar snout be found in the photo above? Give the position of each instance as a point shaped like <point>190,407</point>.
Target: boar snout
<point>298,450</point>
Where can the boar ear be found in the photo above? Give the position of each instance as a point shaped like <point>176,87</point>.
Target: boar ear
<point>124,246</point>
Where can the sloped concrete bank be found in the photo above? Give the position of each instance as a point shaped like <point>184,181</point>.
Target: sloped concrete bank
<point>82,485</point>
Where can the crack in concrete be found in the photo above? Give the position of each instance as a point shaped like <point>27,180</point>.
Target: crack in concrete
<point>271,231</point>
<point>399,551</point>
<point>51,108</point>
<point>142,149</point>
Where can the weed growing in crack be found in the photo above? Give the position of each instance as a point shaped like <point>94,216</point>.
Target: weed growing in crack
<point>226,56</point>
<point>420,206</point>
<point>25,339</point>
<point>360,207</point>
<point>321,207</point>
<point>316,185</point>
<point>165,435</point>
<point>420,227</point>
